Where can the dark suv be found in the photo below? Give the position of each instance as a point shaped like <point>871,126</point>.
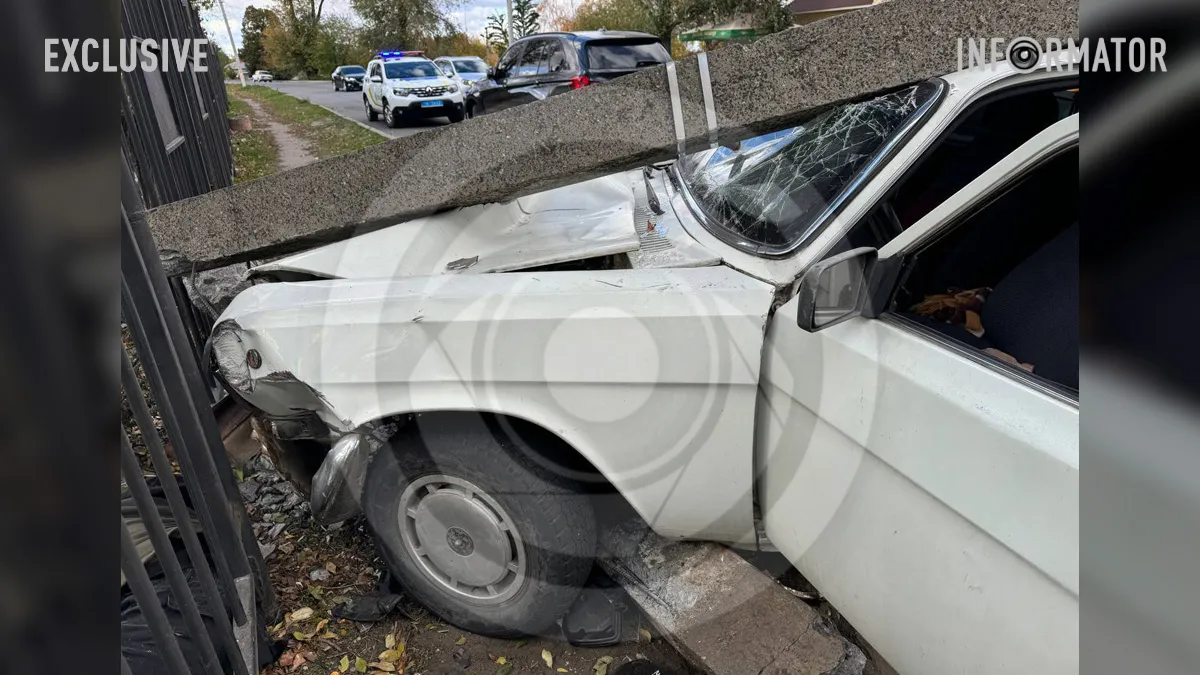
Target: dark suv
<point>545,64</point>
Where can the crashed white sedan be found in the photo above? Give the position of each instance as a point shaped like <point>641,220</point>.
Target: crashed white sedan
<point>854,342</point>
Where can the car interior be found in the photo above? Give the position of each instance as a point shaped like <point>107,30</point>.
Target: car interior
<point>1005,281</point>
<point>985,135</point>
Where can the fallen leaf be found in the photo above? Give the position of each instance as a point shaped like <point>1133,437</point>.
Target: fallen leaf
<point>521,643</point>
<point>286,659</point>
<point>240,476</point>
<point>299,636</point>
<point>335,673</point>
<point>432,626</point>
<point>330,635</point>
<point>331,567</point>
<point>643,633</point>
<point>392,654</point>
<point>316,592</point>
<point>299,661</point>
<point>601,665</point>
<point>563,670</point>
<point>501,660</point>
<point>344,664</point>
<point>504,669</point>
<point>548,658</point>
<point>302,614</point>
<point>382,665</point>
<point>360,664</point>
<point>389,641</point>
<point>461,641</point>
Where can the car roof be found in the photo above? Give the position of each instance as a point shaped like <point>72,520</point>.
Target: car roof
<point>462,58</point>
<point>586,35</point>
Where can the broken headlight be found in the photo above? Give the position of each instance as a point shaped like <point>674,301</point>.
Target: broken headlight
<point>229,355</point>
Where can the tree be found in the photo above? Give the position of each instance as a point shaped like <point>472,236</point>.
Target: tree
<point>664,18</point>
<point>525,18</point>
<point>401,24</point>
<point>254,24</point>
<point>557,15</point>
<point>495,34</point>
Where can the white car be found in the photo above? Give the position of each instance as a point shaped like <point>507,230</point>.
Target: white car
<point>466,70</point>
<point>854,342</point>
<point>262,76</point>
<point>406,85</point>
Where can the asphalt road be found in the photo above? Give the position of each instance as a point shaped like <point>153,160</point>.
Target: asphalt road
<point>349,104</point>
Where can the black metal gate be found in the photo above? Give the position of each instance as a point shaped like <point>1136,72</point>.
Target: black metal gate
<point>214,535</point>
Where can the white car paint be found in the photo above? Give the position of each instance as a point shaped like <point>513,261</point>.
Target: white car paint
<point>587,355</point>
<point>913,485</point>
<point>569,223</point>
<point>933,500</point>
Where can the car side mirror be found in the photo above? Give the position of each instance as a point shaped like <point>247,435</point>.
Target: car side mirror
<point>496,73</point>
<point>835,289</point>
<point>377,78</point>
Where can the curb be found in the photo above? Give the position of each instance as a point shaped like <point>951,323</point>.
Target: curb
<point>361,124</point>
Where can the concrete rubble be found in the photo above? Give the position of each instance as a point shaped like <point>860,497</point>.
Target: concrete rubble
<point>773,83</point>
<point>723,614</point>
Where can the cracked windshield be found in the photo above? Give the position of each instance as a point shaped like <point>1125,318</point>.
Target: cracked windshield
<point>774,191</point>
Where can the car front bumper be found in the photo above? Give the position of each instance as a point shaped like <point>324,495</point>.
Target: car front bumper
<point>352,84</point>
<point>413,107</point>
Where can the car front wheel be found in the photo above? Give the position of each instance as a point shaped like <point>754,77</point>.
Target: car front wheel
<point>371,114</point>
<point>481,535</point>
<point>390,118</point>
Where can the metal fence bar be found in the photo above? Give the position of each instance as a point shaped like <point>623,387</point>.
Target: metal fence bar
<point>164,552</point>
<point>147,600</point>
<point>153,319</point>
<point>191,542</point>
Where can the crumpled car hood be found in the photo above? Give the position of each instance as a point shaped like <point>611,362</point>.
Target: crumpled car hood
<point>589,219</point>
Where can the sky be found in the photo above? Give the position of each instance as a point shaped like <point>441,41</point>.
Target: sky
<point>470,17</point>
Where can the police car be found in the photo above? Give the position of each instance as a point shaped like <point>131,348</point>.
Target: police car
<point>408,85</point>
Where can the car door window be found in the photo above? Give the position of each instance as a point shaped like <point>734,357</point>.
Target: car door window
<point>509,60</point>
<point>533,59</point>
<point>980,136</point>
<point>1004,281</point>
<point>555,60</point>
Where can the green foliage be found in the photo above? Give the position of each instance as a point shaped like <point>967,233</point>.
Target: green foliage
<point>254,25</point>
<point>525,18</point>
<point>400,24</point>
<point>495,33</point>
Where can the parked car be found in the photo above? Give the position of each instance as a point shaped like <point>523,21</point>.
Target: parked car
<point>262,76</point>
<point>467,70</point>
<point>404,85</point>
<point>854,342</point>
<point>546,64</point>
<point>348,78</point>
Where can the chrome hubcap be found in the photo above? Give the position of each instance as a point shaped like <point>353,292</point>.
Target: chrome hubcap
<point>461,538</point>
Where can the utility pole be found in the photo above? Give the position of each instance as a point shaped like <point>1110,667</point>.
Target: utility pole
<point>511,36</point>
<point>241,67</point>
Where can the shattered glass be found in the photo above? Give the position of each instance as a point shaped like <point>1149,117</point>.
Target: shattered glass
<point>776,190</point>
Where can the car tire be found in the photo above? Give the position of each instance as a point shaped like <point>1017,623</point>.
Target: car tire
<point>336,86</point>
<point>448,479</point>
<point>470,110</point>
<point>371,114</point>
<point>456,116</point>
<point>390,118</point>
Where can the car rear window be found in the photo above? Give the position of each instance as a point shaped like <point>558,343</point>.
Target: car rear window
<point>627,55</point>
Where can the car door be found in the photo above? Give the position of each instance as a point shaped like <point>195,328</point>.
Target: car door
<point>493,93</point>
<point>374,86</point>
<point>927,489</point>
<point>556,70</point>
<point>522,84</point>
